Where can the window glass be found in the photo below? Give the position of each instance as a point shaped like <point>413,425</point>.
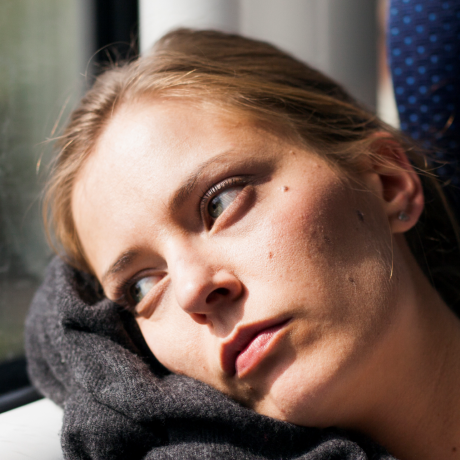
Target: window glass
<point>43,54</point>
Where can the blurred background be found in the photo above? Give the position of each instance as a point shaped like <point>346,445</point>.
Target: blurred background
<point>50,52</point>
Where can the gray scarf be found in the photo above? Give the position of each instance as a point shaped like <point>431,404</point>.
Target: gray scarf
<point>87,355</point>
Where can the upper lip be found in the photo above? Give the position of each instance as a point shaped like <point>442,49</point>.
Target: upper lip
<point>240,338</point>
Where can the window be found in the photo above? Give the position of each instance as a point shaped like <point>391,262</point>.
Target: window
<point>45,64</point>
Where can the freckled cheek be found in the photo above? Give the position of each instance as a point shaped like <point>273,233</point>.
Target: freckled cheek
<point>317,250</point>
<point>295,234</point>
<point>288,258</point>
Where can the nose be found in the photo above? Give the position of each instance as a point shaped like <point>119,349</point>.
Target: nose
<point>203,291</point>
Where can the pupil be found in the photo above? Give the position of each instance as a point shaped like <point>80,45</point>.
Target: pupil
<point>136,293</point>
<point>215,207</point>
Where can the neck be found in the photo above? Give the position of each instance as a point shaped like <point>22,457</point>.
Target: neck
<point>412,404</point>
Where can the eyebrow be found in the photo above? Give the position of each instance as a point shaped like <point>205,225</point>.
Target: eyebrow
<point>184,191</point>
<point>122,262</point>
<point>180,196</point>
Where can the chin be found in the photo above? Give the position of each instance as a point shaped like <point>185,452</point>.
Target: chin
<point>297,404</point>
<point>313,391</point>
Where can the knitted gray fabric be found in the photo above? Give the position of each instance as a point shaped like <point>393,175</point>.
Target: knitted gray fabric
<point>87,355</point>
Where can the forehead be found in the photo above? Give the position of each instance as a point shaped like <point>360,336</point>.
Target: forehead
<point>163,130</point>
<point>144,153</point>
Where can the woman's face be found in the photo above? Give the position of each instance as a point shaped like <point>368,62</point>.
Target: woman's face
<point>250,264</point>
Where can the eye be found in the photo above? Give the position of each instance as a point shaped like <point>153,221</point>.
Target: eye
<point>222,201</point>
<point>220,196</point>
<point>141,288</point>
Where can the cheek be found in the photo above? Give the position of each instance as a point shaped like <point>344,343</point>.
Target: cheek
<point>328,250</point>
<point>334,260</point>
<point>176,342</point>
<point>307,232</point>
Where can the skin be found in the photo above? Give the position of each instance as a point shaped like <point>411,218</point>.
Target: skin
<point>368,344</point>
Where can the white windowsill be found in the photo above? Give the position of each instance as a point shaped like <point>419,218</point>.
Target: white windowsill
<point>31,432</point>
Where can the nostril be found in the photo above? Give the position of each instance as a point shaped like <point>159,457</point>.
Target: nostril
<point>199,318</point>
<point>220,292</point>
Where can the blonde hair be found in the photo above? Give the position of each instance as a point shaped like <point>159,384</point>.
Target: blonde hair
<point>271,86</point>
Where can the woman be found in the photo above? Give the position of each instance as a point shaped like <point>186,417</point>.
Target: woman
<point>244,214</point>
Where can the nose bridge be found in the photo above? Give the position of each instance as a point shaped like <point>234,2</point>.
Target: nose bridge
<point>201,283</point>
<point>191,274</point>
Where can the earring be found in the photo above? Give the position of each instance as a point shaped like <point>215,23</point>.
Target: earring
<point>402,216</point>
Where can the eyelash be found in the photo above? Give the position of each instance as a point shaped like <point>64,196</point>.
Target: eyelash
<point>121,292</point>
<point>122,297</point>
<point>219,187</point>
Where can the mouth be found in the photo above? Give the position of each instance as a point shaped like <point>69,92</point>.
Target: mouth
<point>248,346</point>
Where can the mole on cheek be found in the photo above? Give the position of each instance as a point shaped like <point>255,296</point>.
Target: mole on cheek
<point>360,215</point>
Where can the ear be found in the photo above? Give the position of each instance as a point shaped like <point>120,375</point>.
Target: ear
<point>396,182</point>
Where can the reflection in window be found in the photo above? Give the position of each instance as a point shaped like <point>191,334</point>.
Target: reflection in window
<point>43,56</point>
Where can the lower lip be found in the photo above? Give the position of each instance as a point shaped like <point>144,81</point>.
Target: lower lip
<point>259,346</point>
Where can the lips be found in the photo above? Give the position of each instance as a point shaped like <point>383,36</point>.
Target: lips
<point>247,345</point>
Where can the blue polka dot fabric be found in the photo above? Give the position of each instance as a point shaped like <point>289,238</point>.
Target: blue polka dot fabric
<point>424,53</point>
